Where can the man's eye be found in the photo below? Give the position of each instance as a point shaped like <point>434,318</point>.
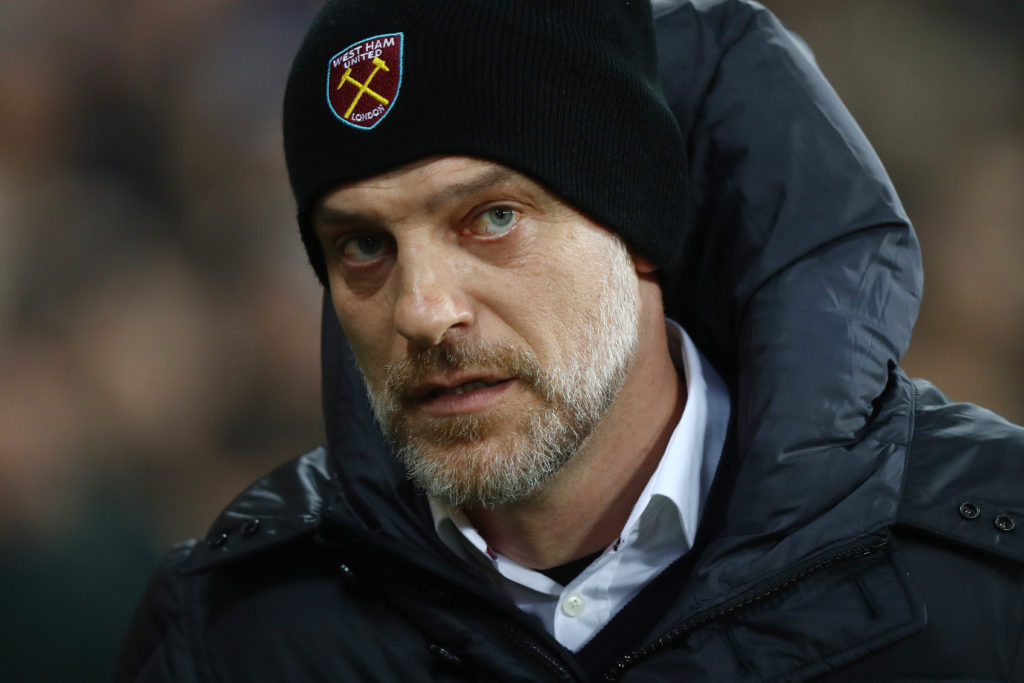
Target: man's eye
<point>362,248</point>
<point>496,221</point>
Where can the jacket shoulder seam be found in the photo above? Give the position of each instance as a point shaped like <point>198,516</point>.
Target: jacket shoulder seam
<point>909,440</point>
<point>193,622</point>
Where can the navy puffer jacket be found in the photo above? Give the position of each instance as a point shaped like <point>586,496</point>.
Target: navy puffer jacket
<point>861,526</point>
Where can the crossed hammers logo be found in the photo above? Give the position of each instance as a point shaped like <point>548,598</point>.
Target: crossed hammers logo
<point>378,64</point>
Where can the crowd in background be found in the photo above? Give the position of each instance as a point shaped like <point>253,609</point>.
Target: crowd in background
<point>159,324</point>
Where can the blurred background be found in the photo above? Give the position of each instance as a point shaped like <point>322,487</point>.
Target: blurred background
<point>159,324</point>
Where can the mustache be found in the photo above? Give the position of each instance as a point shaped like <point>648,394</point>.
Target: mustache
<point>402,378</point>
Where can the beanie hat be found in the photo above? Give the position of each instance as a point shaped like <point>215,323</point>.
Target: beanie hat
<point>564,91</point>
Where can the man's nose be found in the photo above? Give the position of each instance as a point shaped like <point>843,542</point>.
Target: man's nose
<point>430,300</point>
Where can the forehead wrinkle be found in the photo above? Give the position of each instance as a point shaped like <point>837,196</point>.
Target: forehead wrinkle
<point>491,178</point>
<point>327,215</point>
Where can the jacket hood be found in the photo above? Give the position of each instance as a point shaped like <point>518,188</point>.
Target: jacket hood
<point>800,281</point>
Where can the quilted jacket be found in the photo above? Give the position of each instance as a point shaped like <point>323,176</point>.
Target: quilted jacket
<point>861,527</point>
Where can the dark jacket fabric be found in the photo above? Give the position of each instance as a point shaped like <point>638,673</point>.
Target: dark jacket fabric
<point>861,527</point>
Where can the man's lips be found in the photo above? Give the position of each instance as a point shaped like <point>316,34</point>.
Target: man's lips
<point>454,386</point>
<point>461,389</point>
<point>460,396</point>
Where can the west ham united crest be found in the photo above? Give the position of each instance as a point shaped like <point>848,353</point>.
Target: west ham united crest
<point>363,80</point>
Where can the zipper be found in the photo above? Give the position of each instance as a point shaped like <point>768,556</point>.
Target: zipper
<point>859,550</point>
<point>502,624</point>
<point>428,576</point>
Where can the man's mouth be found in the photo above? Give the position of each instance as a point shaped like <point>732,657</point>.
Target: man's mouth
<point>444,398</point>
<point>462,388</point>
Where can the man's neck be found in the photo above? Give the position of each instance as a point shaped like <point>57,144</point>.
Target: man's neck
<point>585,506</point>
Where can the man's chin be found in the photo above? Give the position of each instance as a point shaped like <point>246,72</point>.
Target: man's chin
<point>487,471</point>
<point>430,434</point>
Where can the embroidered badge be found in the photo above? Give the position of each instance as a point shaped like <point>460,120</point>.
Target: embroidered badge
<point>363,80</point>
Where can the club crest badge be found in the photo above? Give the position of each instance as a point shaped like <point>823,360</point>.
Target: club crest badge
<point>363,80</point>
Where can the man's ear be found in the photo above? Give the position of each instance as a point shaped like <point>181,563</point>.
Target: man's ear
<point>643,265</point>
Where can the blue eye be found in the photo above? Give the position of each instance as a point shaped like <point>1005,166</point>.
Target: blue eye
<point>498,220</point>
<point>362,248</point>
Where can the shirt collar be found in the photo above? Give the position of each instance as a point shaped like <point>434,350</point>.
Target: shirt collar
<point>676,480</point>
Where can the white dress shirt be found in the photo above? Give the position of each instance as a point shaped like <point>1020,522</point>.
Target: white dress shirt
<point>660,528</point>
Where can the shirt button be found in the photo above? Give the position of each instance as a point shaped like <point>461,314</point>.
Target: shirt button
<point>573,605</point>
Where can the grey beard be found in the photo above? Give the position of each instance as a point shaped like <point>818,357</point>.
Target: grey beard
<point>464,460</point>
<point>490,476</point>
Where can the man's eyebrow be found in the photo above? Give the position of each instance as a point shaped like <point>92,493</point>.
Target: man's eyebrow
<point>327,216</point>
<point>493,177</point>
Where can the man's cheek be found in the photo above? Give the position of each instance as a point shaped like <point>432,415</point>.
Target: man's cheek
<point>371,366</point>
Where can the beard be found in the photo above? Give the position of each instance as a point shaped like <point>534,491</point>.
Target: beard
<point>493,459</point>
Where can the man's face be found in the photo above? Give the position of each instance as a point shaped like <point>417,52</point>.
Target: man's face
<point>494,325</point>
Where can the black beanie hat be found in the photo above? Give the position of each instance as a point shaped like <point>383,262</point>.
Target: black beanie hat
<point>563,91</point>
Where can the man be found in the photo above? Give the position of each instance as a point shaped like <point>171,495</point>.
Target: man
<point>572,485</point>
